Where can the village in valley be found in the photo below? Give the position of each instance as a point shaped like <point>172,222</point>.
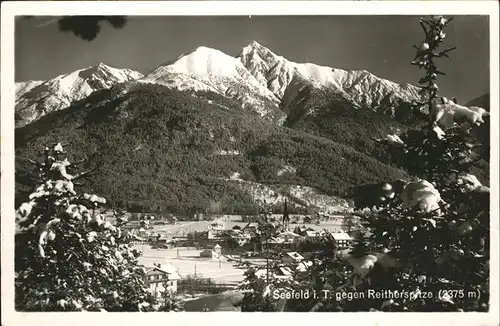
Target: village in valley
<point>209,254</point>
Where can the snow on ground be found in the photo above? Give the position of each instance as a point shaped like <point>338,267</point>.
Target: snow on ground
<point>309,196</point>
<point>287,168</point>
<point>236,176</point>
<point>326,204</point>
<point>228,152</point>
<point>262,193</point>
<point>188,262</point>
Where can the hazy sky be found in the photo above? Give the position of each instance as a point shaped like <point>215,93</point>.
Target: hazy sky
<point>379,44</point>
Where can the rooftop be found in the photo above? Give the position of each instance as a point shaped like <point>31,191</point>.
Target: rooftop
<point>295,255</point>
<point>164,269</point>
<point>341,236</point>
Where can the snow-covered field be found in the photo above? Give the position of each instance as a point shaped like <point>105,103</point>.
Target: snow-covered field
<point>189,263</point>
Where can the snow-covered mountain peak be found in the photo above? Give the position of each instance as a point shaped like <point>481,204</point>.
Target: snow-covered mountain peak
<point>95,69</point>
<point>34,99</point>
<point>269,69</point>
<point>102,70</point>
<point>255,44</point>
<point>255,49</point>
<point>207,69</point>
<point>206,61</point>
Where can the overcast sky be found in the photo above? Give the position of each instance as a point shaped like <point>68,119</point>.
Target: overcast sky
<point>379,44</point>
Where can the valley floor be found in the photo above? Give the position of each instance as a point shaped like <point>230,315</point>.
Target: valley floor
<point>187,261</point>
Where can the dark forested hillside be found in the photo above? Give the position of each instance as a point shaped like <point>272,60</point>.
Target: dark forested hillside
<point>331,115</point>
<point>153,148</point>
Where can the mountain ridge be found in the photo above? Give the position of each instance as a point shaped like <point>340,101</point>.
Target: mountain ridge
<point>355,83</point>
<point>257,78</point>
<point>156,148</point>
<point>34,99</point>
<point>207,69</point>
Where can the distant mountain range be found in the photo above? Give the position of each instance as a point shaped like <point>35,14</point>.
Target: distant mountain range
<point>257,78</point>
<point>208,127</point>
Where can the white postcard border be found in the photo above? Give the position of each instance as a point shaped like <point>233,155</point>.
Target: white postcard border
<point>179,8</point>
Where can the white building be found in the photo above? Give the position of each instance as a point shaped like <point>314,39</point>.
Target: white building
<point>161,278</point>
<point>342,239</point>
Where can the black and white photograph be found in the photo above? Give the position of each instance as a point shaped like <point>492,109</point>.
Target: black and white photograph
<point>251,162</point>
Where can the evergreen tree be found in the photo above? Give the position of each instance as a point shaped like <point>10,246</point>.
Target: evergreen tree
<point>437,230</point>
<point>67,256</point>
<point>286,217</point>
<point>360,246</point>
<point>348,223</point>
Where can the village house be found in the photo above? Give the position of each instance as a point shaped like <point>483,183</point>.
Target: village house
<point>162,240</point>
<point>292,257</point>
<point>281,272</point>
<point>171,219</point>
<point>179,238</point>
<point>142,233</point>
<point>342,239</point>
<point>304,265</point>
<point>216,229</point>
<point>251,228</point>
<point>214,253</point>
<point>287,237</point>
<point>199,217</point>
<point>161,277</point>
<point>301,230</point>
<point>241,239</point>
<point>137,240</point>
<point>311,234</point>
<point>213,235</point>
